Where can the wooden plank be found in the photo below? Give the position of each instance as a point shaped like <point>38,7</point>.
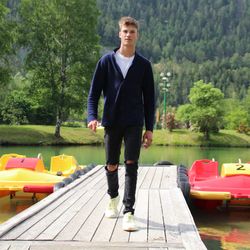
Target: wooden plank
<point>173,176</point>
<point>106,226</point>
<point>40,226</point>
<point>189,233</point>
<point>141,217</point>
<point>20,246</point>
<point>75,224</point>
<point>148,178</point>
<point>26,214</point>
<point>89,227</point>
<point>156,231</point>
<point>169,177</point>
<point>154,248</point>
<point>119,235</point>
<point>79,245</point>
<point>177,248</point>
<point>156,181</point>
<point>166,177</point>
<point>31,211</point>
<point>28,223</point>
<point>47,214</point>
<point>4,245</point>
<point>53,230</point>
<point>50,215</point>
<point>141,176</point>
<point>169,217</point>
<point>166,248</point>
<point>69,232</point>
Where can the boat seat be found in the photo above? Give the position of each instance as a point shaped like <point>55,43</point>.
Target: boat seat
<point>229,169</point>
<point>63,165</point>
<point>203,169</point>
<point>34,164</point>
<point>5,158</point>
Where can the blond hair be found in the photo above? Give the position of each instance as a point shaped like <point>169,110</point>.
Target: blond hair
<point>127,20</point>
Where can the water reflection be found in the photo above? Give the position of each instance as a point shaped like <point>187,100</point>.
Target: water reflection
<point>10,207</point>
<point>95,154</point>
<point>225,228</point>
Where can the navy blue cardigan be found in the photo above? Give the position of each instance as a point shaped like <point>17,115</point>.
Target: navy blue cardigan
<point>129,101</point>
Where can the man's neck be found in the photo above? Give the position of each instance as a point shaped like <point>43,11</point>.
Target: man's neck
<point>127,51</point>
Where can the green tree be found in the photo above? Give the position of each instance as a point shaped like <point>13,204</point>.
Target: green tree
<point>7,36</point>
<point>206,107</point>
<point>235,114</point>
<point>183,114</point>
<point>24,103</point>
<point>16,108</point>
<point>246,105</point>
<point>62,44</point>
<point>236,118</point>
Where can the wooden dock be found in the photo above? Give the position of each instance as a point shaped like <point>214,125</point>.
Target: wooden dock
<point>73,217</point>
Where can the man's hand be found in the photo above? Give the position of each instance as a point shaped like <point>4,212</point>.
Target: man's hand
<point>147,138</point>
<point>93,125</point>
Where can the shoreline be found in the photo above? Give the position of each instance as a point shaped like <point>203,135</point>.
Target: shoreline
<point>102,144</point>
<point>38,135</point>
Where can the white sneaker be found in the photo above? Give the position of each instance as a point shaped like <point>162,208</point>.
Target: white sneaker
<point>111,210</point>
<point>128,223</point>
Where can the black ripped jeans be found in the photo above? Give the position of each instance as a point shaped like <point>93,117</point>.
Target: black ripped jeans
<point>113,138</point>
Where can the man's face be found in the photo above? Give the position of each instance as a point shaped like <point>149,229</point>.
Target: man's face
<point>128,35</point>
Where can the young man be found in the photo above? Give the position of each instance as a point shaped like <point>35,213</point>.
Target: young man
<point>126,80</point>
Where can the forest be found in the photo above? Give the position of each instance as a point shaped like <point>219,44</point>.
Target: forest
<point>192,40</point>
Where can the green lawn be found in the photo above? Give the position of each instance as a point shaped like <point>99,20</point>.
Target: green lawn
<point>44,135</point>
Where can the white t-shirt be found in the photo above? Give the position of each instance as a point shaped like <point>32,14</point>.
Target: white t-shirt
<point>123,62</point>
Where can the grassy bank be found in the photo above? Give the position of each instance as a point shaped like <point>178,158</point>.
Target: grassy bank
<point>44,135</point>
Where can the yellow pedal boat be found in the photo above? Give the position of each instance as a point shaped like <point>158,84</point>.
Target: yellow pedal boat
<point>21,173</point>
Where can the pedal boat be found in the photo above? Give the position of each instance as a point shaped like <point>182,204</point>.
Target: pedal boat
<point>21,173</point>
<point>232,185</point>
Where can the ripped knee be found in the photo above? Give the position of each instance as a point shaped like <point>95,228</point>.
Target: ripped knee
<point>112,168</point>
<point>129,162</point>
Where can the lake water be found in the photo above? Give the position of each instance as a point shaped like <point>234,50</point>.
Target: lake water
<point>228,229</point>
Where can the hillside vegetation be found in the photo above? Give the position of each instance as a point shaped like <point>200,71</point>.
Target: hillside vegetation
<point>193,39</point>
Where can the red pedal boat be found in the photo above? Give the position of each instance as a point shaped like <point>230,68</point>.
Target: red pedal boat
<point>232,184</point>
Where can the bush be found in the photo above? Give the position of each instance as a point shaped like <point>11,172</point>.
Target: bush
<point>170,121</point>
<point>243,129</point>
<point>16,109</point>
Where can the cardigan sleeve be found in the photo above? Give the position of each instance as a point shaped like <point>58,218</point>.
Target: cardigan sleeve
<point>149,98</point>
<point>96,89</point>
